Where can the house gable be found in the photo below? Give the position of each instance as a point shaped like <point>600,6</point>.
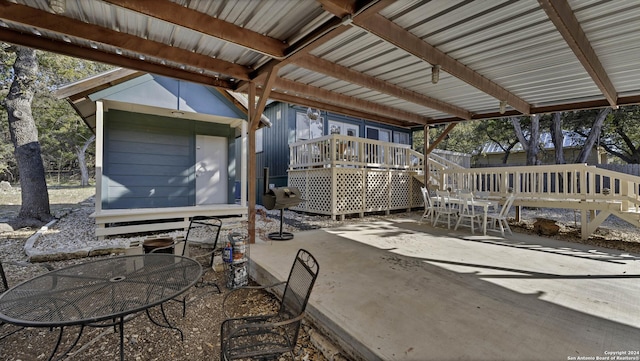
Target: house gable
<point>171,94</point>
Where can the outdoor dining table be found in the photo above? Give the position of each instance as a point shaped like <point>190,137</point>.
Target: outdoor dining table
<point>485,204</point>
<point>99,293</point>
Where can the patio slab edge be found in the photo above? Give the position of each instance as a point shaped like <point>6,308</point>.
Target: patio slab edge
<point>354,349</point>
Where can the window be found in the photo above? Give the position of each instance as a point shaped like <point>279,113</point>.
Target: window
<point>307,128</point>
<point>342,128</point>
<point>379,134</point>
<point>401,138</point>
<point>259,136</point>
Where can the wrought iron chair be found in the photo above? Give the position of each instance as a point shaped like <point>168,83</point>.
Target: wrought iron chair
<point>501,217</point>
<point>203,230</point>
<point>269,336</point>
<point>11,329</point>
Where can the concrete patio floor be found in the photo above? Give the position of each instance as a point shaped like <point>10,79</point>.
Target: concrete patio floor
<point>399,289</point>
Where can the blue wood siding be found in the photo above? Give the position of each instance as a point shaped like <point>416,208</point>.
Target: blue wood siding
<point>149,160</point>
<point>277,138</point>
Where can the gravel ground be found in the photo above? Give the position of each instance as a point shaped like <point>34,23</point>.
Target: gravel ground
<point>144,341</point>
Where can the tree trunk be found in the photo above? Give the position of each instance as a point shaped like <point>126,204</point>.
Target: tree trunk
<point>82,161</point>
<point>558,137</point>
<point>534,139</point>
<point>24,135</point>
<point>530,145</point>
<point>507,152</point>
<point>594,134</point>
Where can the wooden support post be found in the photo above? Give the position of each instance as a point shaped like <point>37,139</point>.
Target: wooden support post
<point>425,163</point>
<point>251,163</point>
<point>255,113</point>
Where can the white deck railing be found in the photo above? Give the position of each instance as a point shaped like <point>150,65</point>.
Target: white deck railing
<point>341,150</point>
<point>549,182</point>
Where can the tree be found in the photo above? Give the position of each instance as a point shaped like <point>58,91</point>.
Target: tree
<point>24,135</point>
<point>621,134</point>
<point>500,132</point>
<point>616,132</point>
<point>594,134</point>
<point>530,145</point>
<point>80,152</point>
<point>557,136</point>
<point>463,138</point>
<point>61,132</point>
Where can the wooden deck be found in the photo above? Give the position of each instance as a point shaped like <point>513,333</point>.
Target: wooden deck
<point>340,175</point>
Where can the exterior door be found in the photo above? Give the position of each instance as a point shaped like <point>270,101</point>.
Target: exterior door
<point>211,170</point>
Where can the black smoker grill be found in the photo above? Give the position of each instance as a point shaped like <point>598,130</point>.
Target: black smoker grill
<point>280,198</point>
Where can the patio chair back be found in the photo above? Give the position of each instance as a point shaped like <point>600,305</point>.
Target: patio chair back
<point>204,230</point>
<point>467,207</point>
<point>500,218</point>
<point>4,285</point>
<point>428,205</point>
<point>467,211</point>
<point>6,330</point>
<point>298,288</point>
<point>442,200</point>
<point>262,337</point>
<point>506,207</point>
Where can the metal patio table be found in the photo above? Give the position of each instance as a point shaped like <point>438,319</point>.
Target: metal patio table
<point>99,293</point>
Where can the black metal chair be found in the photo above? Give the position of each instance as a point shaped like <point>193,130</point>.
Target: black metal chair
<point>7,330</point>
<point>204,230</point>
<point>269,336</point>
<point>4,285</point>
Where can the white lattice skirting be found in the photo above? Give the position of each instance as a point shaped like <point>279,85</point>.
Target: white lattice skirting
<point>339,191</point>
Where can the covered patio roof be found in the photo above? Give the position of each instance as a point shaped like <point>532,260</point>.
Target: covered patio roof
<point>405,62</point>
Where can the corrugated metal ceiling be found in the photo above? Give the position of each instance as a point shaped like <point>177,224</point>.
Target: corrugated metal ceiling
<point>489,51</point>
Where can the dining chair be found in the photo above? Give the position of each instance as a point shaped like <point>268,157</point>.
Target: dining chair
<point>484,195</point>
<point>266,337</point>
<point>501,217</point>
<point>428,205</point>
<point>467,211</point>
<point>443,207</point>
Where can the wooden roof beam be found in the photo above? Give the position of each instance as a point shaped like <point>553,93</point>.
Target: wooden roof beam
<point>562,16</point>
<point>337,71</point>
<point>442,136</point>
<point>356,8</point>
<point>322,34</point>
<point>191,19</point>
<point>352,102</point>
<point>64,48</point>
<point>394,34</point>
<point>74,28</point>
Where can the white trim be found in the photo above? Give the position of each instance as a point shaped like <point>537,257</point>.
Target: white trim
<point>99,153</point>
<point>243,166</point>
